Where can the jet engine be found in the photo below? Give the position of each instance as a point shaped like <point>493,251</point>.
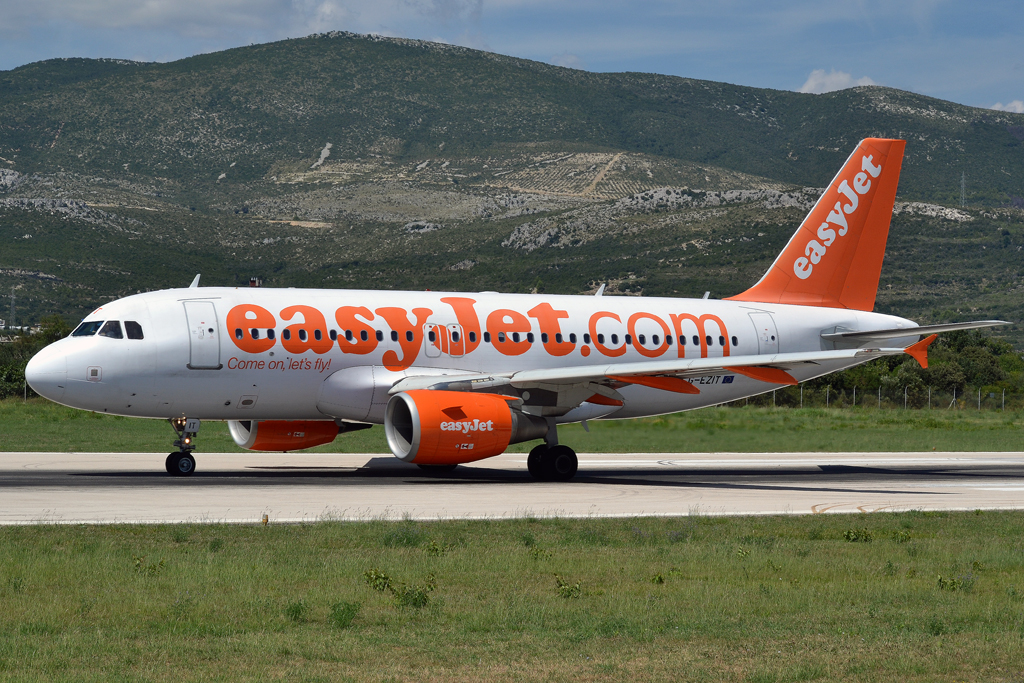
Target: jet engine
<point>452,427</point>
<point>282,435</point>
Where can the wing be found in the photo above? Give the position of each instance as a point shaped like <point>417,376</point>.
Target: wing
<point>598,383</point>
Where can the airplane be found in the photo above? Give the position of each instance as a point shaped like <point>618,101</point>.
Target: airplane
<point>458,377</point>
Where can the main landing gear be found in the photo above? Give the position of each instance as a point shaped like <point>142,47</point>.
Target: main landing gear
<point>181,463</point>
<point>552,463</point>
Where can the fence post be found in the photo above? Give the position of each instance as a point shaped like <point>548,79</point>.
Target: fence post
<point>773,398</point>
<point>979,400</point>
<point>1004,401</point>
<point>828,389</point>
<point>929,398</point>
<point>801,395</point>
<point>855,396</point>
<point>904,397</point>
<point>879,396</point>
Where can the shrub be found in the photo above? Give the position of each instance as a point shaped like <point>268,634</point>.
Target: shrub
<point>296,611</point>
<point>858,536</point>
<point>377,580</point>
<point>342,614</point>
<point>568,590</point>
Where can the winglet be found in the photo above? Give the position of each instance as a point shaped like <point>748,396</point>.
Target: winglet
<point>919,351</point>
<point>764,374</point>
<point>195,283</point>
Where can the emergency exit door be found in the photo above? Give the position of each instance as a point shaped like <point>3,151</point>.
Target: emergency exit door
<point>767,333</point>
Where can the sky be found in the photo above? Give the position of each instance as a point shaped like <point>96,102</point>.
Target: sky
<point>971,53</point>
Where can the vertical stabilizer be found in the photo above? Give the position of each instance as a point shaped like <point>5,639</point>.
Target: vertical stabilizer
<point>835,257</point>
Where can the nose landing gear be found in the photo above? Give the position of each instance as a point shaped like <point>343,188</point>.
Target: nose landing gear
<point>181,463</point>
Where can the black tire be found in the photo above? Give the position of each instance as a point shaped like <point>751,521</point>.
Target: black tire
<point>181,464</point>
<point>437,469</point>
<point>535,462</point>
<point>560,463</point>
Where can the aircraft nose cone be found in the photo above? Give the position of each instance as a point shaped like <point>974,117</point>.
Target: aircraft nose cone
<point>47,373</point>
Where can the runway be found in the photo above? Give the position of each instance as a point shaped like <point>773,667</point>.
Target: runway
<point>241,488</point>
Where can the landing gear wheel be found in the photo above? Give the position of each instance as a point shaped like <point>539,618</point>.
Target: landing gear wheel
<point>560,463</point>
<point>534,461</point>
<point>437,469</point>
<point>180,464</point>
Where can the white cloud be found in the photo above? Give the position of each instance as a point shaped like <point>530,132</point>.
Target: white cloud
<point>568,60</point>
<point>1017,106</point>
<point>819,81</point>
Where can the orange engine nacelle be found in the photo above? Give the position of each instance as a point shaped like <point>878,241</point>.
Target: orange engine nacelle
<point>282,435</point>
<point>452,427</point>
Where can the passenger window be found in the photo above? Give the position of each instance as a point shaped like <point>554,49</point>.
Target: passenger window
<point>586,337</point>
<point>472,337</point>
<point>655,339</point>
<point>501,337</point>
<point>455,337</point>
<point>515,337</point>
<point>708,340</point>
<point>394,336</point>
<point>735,342</point>
<point>111,329</point>
<point>318,335</point>
<point>408,335</point>
<point>333,334</point>
<point>721,340</point>
<point>600,339</point>
<point>487,337</point>
<point>558,337</point>
<point>133,329</point>
<point>544,337</point>
<point>379,335</point>
<point>529,337</point>
<point>572,338</point>
<point>348,335</point>
<point>238,333</point>
<point>302,335</point>
<point>668,340</point>
<point>615,339</point>
<point>87,329</point>
<point>431,336</point>
<point>286,335</point>
<point>629,340</point>
<point>271,334</point>
<point>696,340</point>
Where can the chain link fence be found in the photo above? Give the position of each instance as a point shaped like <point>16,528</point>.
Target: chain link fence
<point>889,398</point>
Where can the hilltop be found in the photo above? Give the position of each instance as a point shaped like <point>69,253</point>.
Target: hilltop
<point>342,160</point>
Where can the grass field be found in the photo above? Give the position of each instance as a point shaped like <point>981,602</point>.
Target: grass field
<point>911,596</point>
<point>39,425</point>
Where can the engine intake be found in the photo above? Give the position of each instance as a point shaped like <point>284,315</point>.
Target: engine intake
<point>282,435</point>
<point>453,427</point>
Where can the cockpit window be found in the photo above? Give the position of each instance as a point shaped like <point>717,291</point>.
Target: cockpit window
<point>112,329</point>
<point>133,329</point>
<point>87,329</point>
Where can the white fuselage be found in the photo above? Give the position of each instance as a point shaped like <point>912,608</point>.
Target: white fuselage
<point>198,357</point>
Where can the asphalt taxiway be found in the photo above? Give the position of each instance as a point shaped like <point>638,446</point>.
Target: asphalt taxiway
<point>133,487</point>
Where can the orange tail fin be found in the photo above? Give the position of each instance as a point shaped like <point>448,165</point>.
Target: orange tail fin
<point>835,257</point>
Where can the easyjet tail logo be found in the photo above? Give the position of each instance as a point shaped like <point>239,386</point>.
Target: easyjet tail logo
<point>837,225</point>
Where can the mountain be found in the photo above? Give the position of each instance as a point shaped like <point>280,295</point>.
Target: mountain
<point>343,160</point>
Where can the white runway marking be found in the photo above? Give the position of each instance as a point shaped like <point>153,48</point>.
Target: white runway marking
<point>133,487</point>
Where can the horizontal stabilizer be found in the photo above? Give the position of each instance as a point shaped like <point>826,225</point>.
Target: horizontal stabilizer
<point>896,332</point>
